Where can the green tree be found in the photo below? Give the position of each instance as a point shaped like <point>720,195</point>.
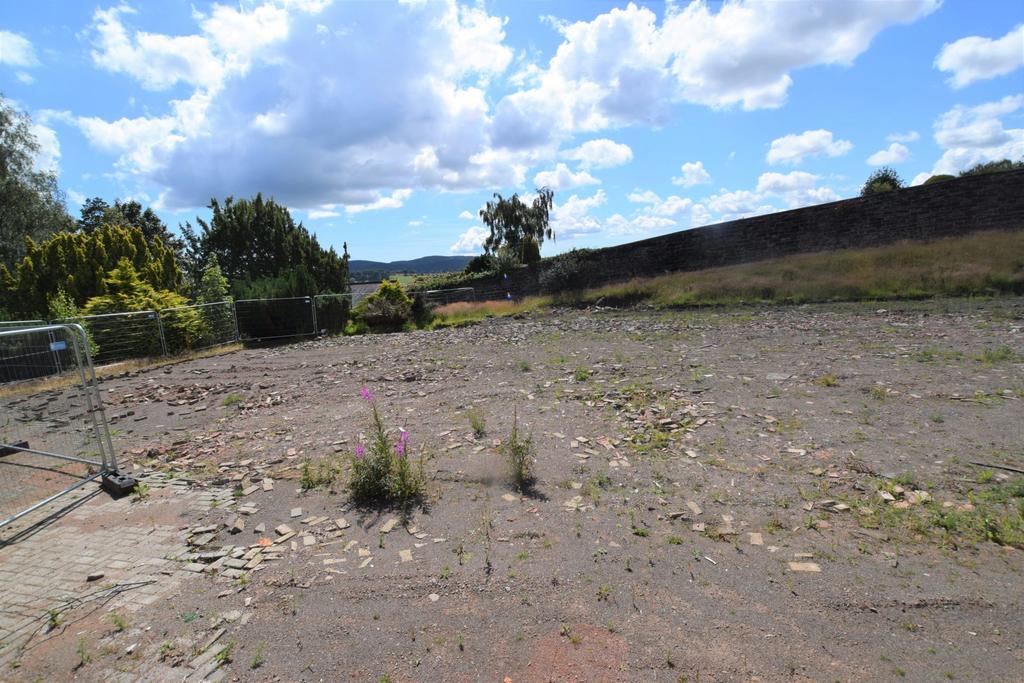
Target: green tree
<point>257,239</point>
<point>31,204</point>
<point>96,213</point>
<point>387,309</point>
<point>519,226</point>
<point>213,286</point>
<point>884,179</point>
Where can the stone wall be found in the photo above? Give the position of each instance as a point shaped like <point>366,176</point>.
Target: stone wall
<point>955,207</point>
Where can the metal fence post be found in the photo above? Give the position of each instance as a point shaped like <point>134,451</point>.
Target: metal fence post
<point>160,329</point>
<point>312,306</point>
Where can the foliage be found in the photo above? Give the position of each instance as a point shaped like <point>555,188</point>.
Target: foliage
<point>518,454</point>
<point>467,312</point>
<point>126,291</point>
<point>96,213</point>
<point>61,307</point>
<point>566,272</point>
<point>255,240</point>
<point>477,422</point>
<point>514,224</point>
<point>296,282</point>
<point>31,203</point>
<point>381,471</point>
<point>484,263</point>
<point>213,286</point>
<point>938,179</point>
<point>884,179</point>
<point>420,313</point>
<point>78,262</point>
<point>993,167</point>
<point>387,309</point>
<point>320,474</point>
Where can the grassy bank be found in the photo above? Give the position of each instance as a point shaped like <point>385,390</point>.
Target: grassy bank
<point>983,263</point>
<point>465,312</point>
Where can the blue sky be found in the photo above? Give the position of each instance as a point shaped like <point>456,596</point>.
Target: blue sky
<point>389,125</point>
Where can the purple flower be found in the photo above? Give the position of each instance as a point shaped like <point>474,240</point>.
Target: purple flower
<point>360,450</point>
<point>367,396</point>
<point>403,439</point>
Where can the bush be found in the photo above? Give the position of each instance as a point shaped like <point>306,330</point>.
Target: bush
<point>518,454</point>
<point>566,272</point>
<point>387,309</point>
<point>484,263</point>
<point>993,167</point>
<point>884,179</point>
<point>938,179</point>
<point>421,314</point>
<point>382,473</point>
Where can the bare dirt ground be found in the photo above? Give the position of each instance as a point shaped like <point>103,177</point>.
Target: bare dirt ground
<point>724,495</point>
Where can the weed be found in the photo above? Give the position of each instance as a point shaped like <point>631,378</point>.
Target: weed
<point>477,422</point>
<point>320,474</point>
<point>985,476</point>
<point>189,617</point>
<point>259,655</point>
<point>518,453</point>
<point>84,656</point>
<point>446,572</point>
<point>641,532</point>
<point>224,656</point>
<point>524,366</point>
<point>604,592</point>
<point>118,621</point>
<point>232,399</point>
<point>141,491</point>
<point>828,380</point>
<point>675,540</point>
<point>996,355</point>
<point>522,556</point>
<point>383,472</point>
<point>582,374</point>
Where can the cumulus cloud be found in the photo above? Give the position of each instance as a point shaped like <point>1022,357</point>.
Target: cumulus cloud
<point>16,50</point>
<point>975,58</point>
<point>471,241</point>
<point>693,174</point>
<point>48,156</point>
<point>894,154</point>
<point>601,153</point>
<point>796,188</point>
<point>792,149</point>
<point>973,135</point>
<point>561,178</point>
<point>467,216</point>
<point>624,67</point>
<point>571,218</point>
<point>394,201</point>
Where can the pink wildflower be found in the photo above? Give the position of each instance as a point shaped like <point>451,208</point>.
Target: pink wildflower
<point>360,450</point>
<point>367,396</point>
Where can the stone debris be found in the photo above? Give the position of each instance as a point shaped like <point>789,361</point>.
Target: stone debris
<point>389,525</point>
<point>405,555</point>
<point>283,530</point>
<point>804,567</point>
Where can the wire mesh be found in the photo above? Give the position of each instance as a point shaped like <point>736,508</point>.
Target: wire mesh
<point>441,297</point>
<point>117,337</point>
<point>275,318</point>
<point>20,324</point>
<point>202,326</point>
<point>53,433</point>
<point>333,312</point>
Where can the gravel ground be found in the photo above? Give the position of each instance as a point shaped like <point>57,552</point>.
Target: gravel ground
<point>722,495</point>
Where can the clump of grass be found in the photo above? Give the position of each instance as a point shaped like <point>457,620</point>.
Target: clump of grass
<point>382,472</point>
<point>518,453</point>
<point>320,474</point>
<point>140,491</point>
<point>477,422</point>
<point>259,655</point>
<point>119,622</point>
<point>582,374</point>
<point>996,355</point>
<point>232,399</point>
<point>468,312</point>
<point>829,380</point>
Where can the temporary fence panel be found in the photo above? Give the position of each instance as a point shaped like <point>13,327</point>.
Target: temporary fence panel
<point>275,318</point>
<point>54,435</point>
<point>115,337</point>
<point>20,324</point>
<point>202,326</point>
<point>440,297</point>
<point>333,312</point>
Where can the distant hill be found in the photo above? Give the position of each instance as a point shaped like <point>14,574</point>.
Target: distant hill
<point>425,264</point>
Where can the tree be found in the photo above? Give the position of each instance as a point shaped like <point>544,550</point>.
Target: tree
<point>31,204</point>
<point>96,213</point>
<point>256,241</point>
<point>884,179</point>
<point>213,286</point>
<point>514,224</point>
<point>993,167</point>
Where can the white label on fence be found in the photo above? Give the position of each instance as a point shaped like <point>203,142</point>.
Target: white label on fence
<point>58,346</point>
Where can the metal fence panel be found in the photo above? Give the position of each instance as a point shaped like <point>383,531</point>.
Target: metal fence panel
<point>20,324</point>
<point>275,318</point>
<point>122,336</point>
<point>54,436</point>
<point>333,311</point>
<point>441,297</point>
<point>202,326</point>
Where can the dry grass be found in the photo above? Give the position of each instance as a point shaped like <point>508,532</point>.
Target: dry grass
<point>464,312</point>
<point>982,263</point>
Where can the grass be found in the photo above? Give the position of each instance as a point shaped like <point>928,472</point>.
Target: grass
<point>319,474</point>
<point>232,399</point>
<point>468,312</point>
<point>477,422</point>
<point>982,263</point>
<point>518,454</point>
<point>259,656</point>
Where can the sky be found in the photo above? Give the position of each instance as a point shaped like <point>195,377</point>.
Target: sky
<point>389,125</point>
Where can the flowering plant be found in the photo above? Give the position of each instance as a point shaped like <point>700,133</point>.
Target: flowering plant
<point>381,469</point>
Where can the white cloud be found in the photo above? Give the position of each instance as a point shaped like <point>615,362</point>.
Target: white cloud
<point>909,136</point>
<point>325,211</point>
<point>894,154</point>
<point>48,156</point>
<point>975,58</point>
<point>467,216</point>
<point>796,188</point>
<point>394,201</point>
<point>16,50</point>
<point>643,197</point>
<point>738,204</point>
<point>24,78</point>
<point>561,178</point>
<point>792,149</point>
<point>572,218</point>
<point>471,241</point>
<point>624,68</point>
<point>693,174</point>
<point>601,153</point>
<point>973,135</point>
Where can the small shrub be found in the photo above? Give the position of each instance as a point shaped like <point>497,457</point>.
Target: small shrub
<point>566,272</point>
<point>381,471</point>
<point>477,422</point>
<point>582,374</point>
<point>320,474</point>
<point>518,454</point>
<point>232,399</point>
<point>387,309</point>
<point>884,179</point>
